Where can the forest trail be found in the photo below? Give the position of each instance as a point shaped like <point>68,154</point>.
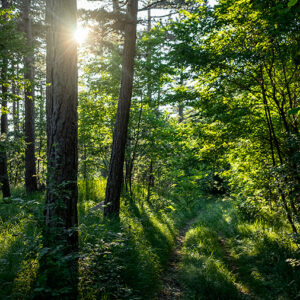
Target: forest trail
<point>171,287</point>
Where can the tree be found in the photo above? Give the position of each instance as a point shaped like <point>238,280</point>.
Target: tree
<point>245,61</point>
<point>4,125</point>
<point>115,175</point>
<point>30,167</point>
<point>61,108</point>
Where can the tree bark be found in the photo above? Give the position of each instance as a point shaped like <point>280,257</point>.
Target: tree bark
<point>4,125</point>
<point>115,176</point>
<point>61,218</point>
<point>30,167</point>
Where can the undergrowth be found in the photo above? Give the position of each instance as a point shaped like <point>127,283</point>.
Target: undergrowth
<point>118,259</point>
<point>125,258</point>
<point>226,257</point>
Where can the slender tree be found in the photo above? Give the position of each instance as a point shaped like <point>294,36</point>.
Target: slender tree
<point>115,176</point>
<point>4,125</point>
<point>30,167</point>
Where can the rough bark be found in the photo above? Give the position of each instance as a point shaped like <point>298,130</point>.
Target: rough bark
<point>30,167</point>
<point>62,125</point>
<point>62,113</point>
<point>115,176</point>
<point>4,182</point>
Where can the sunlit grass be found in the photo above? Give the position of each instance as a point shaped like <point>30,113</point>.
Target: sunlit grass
<point>19,244</point>
<point>223,257</point>
<point>142,242</point>
<point>226,258</point>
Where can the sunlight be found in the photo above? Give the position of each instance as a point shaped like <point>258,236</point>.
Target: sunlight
<point>81,34</point>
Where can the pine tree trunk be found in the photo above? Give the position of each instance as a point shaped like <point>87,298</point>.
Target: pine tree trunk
<point>115,176</point>
<point>62,125</point>
<point>30,167</point>
<point>4,182</point>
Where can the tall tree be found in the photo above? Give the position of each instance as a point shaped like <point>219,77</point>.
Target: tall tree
<point>30,167</point>
<point>62,123</point>
<point>115,176</point>
<point>4,125</point>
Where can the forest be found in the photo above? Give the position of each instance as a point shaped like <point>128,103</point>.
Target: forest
<point>149,149</point>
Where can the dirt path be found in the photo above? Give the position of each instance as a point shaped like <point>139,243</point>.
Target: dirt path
<point>171,287</point>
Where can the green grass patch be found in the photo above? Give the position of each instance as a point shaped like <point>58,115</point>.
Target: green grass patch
<point>223,256</point>
<point>126,259</point>
<point>20,236</point>
<point>226,258</point>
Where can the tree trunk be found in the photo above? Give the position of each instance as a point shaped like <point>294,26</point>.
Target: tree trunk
<point>30,168</point>
<point>62,125</point>
<point>4,126</point>
<point>180,112</point>
<point>150,180</point>
<point>276,142</point>
<point>115,176</point>
<point>15,112</point>
<point>132,160</point>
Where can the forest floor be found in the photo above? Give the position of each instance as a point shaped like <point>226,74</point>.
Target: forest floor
<point>217,255</point>
<point>171,288</point>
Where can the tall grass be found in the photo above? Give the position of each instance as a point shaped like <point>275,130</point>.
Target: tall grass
<point>125,258</point>
<point>20,238</point>
<point>223,257</point>
<point>227,258</point>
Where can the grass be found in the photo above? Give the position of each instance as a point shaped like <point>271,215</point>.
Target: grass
<point>135,251</point>
<point>222,256</point>
<point>19,243</point>
<point>226,258</point>
<point>118,259</point>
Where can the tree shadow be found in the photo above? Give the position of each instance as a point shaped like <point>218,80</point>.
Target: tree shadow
<point>153,234</point>
<point>217,263</point>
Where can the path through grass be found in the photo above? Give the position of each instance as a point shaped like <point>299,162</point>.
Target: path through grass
<point>223,257</point>
<point>171,287</point>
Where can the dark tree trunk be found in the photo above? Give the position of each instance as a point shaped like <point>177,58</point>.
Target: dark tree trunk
<point>181,105</point>
<point>15,111</point>
<point>116,6</point>
<point>115,176</point>
<point>148,57</point>
<point>4,182</point>
<point>150,180</point>
<point>30,167</point>
<point>62,125</point>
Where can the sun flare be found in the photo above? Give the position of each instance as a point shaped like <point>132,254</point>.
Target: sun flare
<point>81,34</point>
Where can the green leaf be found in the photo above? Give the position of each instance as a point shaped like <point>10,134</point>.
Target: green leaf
<point>292,3</point>
<point>171,207</point>
<point>294,111</point>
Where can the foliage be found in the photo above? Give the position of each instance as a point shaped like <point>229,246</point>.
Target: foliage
<point>214,112</point>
